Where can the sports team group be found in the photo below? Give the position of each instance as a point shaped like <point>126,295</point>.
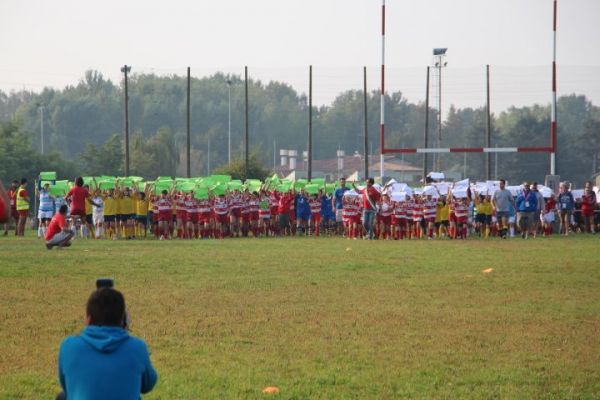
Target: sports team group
<point>367,212</point>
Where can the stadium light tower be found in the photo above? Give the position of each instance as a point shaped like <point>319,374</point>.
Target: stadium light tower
<point>439,57</point>
<point>229,122</point>
<point>125,70</point>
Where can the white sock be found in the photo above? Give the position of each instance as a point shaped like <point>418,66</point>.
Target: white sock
<point>512,231</point>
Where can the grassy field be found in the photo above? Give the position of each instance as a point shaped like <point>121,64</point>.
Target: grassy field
<point>320,319</point>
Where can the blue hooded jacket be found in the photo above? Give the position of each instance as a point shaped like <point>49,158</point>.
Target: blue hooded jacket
<point>104,362</point>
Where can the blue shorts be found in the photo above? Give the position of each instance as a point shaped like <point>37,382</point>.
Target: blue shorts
<point>109,218</point>
<point>502,214</point>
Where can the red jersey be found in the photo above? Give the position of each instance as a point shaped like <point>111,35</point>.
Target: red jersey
<point>373,194</point>
<point>273,202</point>
<point>203,206</point>
<point>285,203</point>
<point>386,209</point>
<point>315,205</point>
<point>588,202</point>
<point>78,195</point>
<point>399,209</point>
<point>12,195</point>
<point>164,205</point>
<point>417,211</point>
<point>56,225</point>
<point>429,209</point>
<point>460,210</point>
<point>220,206</point>
<point>550,205</point>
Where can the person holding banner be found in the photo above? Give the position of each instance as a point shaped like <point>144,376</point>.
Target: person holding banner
<point>46,209</point>
<point>370,198</point>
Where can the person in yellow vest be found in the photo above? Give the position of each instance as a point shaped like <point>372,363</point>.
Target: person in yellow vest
<point>141,210</point>
<point>22,205</point>
<point>483,219</point>
<point>442,215</point>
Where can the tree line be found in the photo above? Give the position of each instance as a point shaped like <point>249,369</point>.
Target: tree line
<point>83,128</point>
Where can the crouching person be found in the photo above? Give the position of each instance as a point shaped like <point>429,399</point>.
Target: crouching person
<point>104,361</point>
<point>58,232</point>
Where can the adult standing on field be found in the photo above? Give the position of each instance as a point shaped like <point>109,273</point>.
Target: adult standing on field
<point>588,203</point>
<point>526,206</point>
<point>11,207</point>
<point>338,205</point>
<point>77,196</point>
<point>502,202</point>
<point>537,217</point>
<point>566,204</point>
<point>370,198</point>
<point>22,206</point>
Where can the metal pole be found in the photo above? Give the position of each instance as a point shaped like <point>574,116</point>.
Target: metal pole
<point>488,164</point>
<point>208,158</point>
<point>42,129</point>
<point>229,124</point>
<point>496,165</point>
<point>189,165</point>
<point>382,98</point>
<point>366,129</point>
<point>439,164</point>
<point>309,149</point>
<point>553,125</point>
<point>125,70</point>
<point>425,144</point>
<point>246,122</point>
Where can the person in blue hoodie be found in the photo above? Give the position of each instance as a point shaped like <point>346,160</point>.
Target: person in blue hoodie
<point>526,204</point>
<point>104,361</point>
<point>302,212</point>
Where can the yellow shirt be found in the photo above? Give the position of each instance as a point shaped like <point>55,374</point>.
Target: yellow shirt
<point>442,212</point>
<point>141,207</point>
<point>126,205</point>
<point>110,206</point>
<point>88,207</point>
<point>484,208</point>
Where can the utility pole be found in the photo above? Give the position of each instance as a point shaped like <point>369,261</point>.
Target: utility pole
<point>229,123</point>
<point>246,122</point>
<point>488,156</point>
<point>366,129</point>
<point>425,157</point>
<point>189,172</point>
<point>42,129</point>
<point>309,150</point>
<point>125,70</point>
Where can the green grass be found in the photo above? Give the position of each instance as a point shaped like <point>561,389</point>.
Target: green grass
<point>320,319</point>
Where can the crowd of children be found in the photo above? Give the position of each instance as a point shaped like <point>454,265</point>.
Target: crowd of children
<point>129,213</point>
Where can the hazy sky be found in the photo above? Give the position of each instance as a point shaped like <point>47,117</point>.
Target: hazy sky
<point>52,42</point>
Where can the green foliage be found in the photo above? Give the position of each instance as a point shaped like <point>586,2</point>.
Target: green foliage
<point>79,121</point>
<point>237,169</point>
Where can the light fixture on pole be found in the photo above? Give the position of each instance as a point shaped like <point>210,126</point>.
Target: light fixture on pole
<point>439,55</point>
<point>41,109</point>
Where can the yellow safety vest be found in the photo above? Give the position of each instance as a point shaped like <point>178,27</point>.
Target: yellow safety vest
<point>22,204</point>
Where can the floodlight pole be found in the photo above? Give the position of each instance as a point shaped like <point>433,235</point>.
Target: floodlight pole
<point>553,125</point>
<point>229,123</point>
<point>42,128</point>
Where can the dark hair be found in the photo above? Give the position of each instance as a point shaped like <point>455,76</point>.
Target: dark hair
<point>503,181</point>
<point>79,181</point>
<point>15,181</point>
<point>106,307</point>
<point>142,195</point>
<point>23,181</point>
<point>371,181</point>
<point>63,209</point>
<point>165,192</point>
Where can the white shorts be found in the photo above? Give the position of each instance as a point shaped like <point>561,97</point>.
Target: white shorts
<point>45,214</point>
<point>548,217</point>
<point>98,218</point>
<point>339,215</point>
<point>511,220</point>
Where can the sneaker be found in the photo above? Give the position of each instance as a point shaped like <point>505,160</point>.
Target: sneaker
<point>49,246</point>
